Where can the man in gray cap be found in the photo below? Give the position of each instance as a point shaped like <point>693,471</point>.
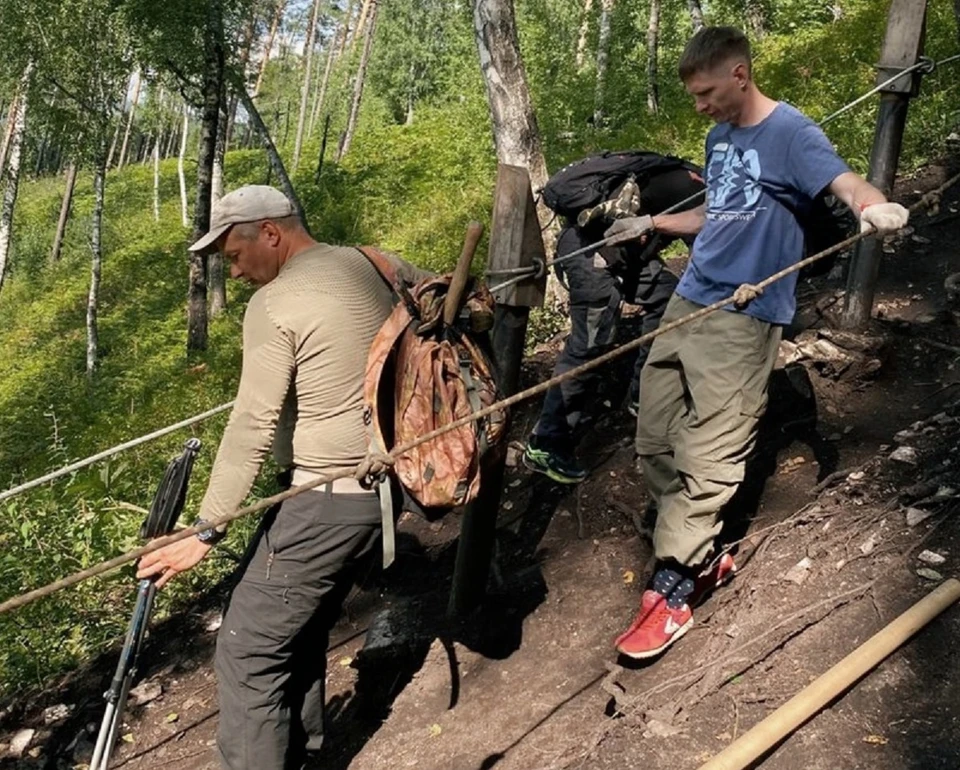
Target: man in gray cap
<point>306,334</point>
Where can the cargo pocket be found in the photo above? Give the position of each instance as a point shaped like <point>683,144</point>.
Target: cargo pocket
<point>753,404</point>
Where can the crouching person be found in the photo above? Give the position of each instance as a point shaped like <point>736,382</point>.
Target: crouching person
<point>306,334</point>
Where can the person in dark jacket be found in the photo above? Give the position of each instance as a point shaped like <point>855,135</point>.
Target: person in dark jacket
<point>600,282</point>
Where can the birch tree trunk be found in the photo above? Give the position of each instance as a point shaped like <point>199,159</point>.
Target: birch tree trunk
<point>213,56</point>
<point>603,49</point>
<point>130,114</point>
<point>171,140</point>
<point>180,158</point>
<point>273,157</point>
<point>584,31</point>
<point>244,64</point>
<point>219,152</point>
<point>96,262</point>
<point>156,180</point>
<point>515,130</point>
<point>64,212</point>
<point>115,140</point>
<point>653,57</point>
<point>320,90</point>
<point>348,14</point>
<point>361,23</point>
<point>305,85</point>
<point>268,46</point>
<point>756,19</point>
<point>324,83</point>
<point>218,288</point>
<point>13,170</point>
<point>358,83</point>
<point>696,14</point>
<point>9,129</point>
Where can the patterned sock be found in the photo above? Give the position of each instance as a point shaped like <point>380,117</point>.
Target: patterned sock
<point>677,588</point>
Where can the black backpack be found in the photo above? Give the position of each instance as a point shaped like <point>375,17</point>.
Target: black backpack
<point>596,178</point>
<point>825,222</point>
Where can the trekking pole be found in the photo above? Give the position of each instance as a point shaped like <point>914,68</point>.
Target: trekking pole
<point>461,273</point>
<point>164,512</point>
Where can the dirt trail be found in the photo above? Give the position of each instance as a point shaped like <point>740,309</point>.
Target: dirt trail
<point>532,682</point>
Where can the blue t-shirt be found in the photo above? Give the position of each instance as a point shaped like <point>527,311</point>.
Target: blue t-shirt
<point>749,233</point>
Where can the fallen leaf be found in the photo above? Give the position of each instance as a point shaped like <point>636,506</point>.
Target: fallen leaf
<point>628,576</point>
<point>876,740</point>
<point>127,738</point>
<point>345,661</point>
<point>929,574</point>
<point>173,716</point>
<point>435,730</point>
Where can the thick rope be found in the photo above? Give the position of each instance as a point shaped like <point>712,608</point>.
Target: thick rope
<point>68,469</point>
<point>99,569</point>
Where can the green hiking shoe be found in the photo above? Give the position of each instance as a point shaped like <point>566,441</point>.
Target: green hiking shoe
<point>560,468</point>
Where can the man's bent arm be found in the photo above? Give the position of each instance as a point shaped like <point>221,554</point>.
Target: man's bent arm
<point>856,192</point>
<point>684,223</point>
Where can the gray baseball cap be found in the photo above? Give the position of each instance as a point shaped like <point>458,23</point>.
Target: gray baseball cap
<point>246,204</point>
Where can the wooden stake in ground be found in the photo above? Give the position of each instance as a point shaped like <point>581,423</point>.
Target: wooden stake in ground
<point>805,704</point>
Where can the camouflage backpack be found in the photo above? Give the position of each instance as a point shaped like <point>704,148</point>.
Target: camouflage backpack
<point>423,375</point>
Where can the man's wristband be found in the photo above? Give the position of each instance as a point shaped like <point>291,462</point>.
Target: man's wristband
<point>209,536</point>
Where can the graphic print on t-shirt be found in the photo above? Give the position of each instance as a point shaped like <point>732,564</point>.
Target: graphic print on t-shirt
<point>733,189</point>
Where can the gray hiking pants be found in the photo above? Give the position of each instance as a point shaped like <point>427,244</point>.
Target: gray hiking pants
<point>271,649</point>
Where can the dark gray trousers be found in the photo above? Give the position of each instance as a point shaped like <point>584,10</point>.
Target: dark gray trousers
<point>595,302</point>
<point>271,649</point>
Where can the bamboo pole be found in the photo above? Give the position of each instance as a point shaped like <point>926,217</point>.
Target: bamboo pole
<point>761,738</point>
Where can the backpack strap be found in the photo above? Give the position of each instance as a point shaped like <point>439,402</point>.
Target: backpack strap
<point>383,264</point>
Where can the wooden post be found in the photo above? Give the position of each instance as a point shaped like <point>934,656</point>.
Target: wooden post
<point>902,47</point>
<point>515,241</point>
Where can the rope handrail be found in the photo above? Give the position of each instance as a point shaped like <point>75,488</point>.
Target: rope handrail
<point>68,469</point>
<point>118,561</point>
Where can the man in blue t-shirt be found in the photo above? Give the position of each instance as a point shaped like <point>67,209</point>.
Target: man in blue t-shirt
<point>704,386</point>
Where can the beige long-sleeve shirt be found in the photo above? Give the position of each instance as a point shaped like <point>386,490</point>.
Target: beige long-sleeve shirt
<point>306,336</point>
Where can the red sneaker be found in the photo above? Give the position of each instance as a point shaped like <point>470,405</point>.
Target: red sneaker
<point>715,575</point>
<point>655,628</point>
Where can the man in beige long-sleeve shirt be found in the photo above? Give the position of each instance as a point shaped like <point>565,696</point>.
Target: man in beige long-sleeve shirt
<point>306,334</point>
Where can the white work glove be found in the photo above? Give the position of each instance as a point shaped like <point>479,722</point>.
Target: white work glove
<point>886,217</point>
<point>628,229</point>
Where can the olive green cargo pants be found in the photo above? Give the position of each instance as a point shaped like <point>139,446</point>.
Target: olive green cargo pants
<point>702,393</point>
